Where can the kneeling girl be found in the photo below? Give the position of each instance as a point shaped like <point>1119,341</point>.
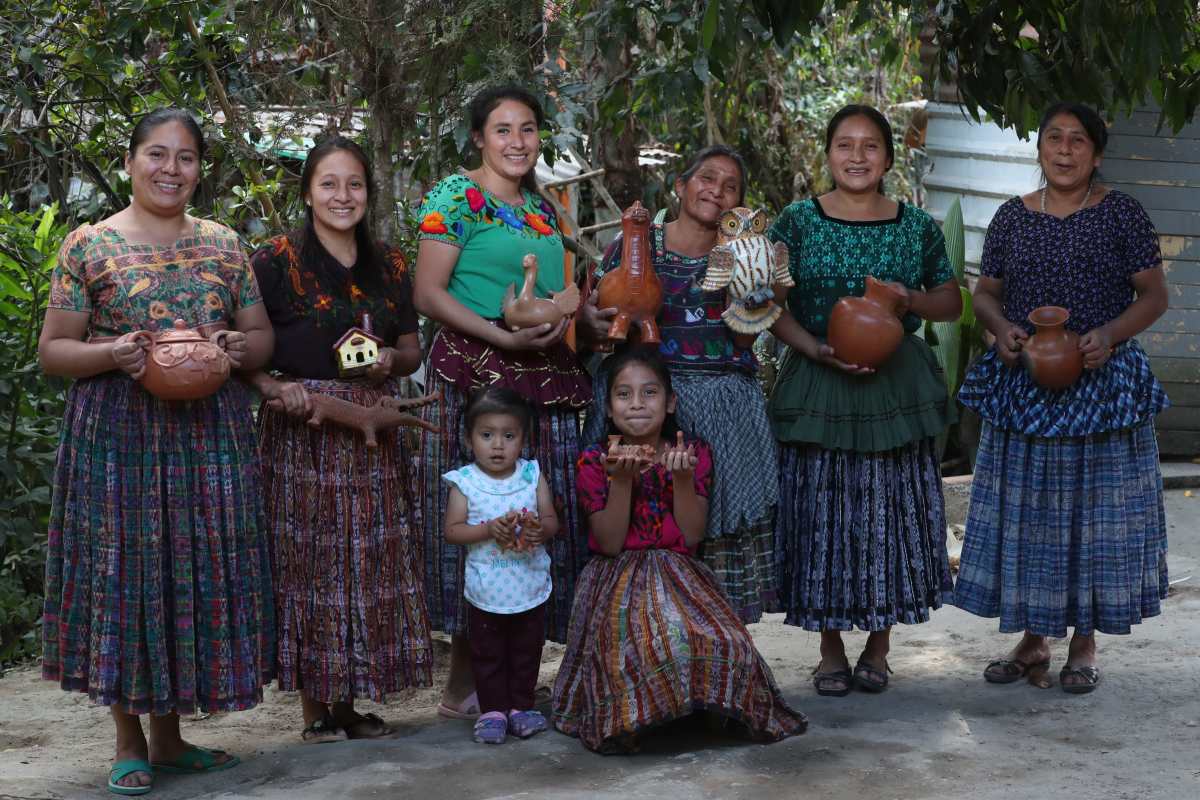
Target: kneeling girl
<point>652,636</point>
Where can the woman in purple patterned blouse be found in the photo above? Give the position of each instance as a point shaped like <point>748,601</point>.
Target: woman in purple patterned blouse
<point>1066,527</point>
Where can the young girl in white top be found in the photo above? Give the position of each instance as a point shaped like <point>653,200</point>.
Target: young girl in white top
<point>501,508</point>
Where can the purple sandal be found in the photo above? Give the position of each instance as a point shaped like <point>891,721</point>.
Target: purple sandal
<point>526,723</point>
<point>491,728</point>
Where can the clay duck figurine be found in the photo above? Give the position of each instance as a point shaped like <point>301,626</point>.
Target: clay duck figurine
<point>525,310</point>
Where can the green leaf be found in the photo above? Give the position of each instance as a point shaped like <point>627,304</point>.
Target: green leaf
<point>708,28</point>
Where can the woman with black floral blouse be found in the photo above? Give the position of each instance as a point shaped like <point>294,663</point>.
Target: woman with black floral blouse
<point>1066,527</point>
<point>351,609</point>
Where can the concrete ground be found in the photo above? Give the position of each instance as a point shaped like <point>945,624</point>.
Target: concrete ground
<point>938,732</point>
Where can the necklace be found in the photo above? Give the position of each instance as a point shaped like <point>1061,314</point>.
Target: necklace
<point>1086,197</point>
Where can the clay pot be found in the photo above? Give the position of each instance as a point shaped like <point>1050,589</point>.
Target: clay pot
<point>866,330</point>
<point>1052,354</point>
<point>182,364</point>
<point>633,288</point>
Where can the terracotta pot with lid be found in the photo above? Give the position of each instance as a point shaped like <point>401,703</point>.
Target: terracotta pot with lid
<point>866,330</point>
<point>1052,354</point>
<point>183,364</point>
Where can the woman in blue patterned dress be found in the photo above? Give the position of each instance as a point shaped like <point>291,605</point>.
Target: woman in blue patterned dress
<point>1066,527</point>
<point>158,585</point>
<point>713,371</point>
<point>861,517</point>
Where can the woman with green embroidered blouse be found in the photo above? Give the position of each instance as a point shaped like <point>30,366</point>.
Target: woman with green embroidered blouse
<point>476,229</point>
<point>861,518</point>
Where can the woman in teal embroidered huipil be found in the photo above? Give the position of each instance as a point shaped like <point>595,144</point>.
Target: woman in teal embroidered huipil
<point>475,230</point>
<point>861,519</point>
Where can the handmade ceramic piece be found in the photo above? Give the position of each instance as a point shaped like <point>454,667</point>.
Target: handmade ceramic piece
<point>633,288</point>
<point>1052,354</point>
<point>386,414</point>
<point>746,262</point>
<point>646,454</point>
<point>357,349</point>
<point>525,310</point>
<point>183,364</point>
<point>866,330</point>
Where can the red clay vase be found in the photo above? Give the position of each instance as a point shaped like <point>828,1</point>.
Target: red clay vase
<point>633,288</point>
<point>1052,354</point>
<point>182,363</point>
<point>866,330</point>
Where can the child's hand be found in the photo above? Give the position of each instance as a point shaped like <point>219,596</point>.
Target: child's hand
<point>680,460</point>
<point>503,530</point>
<point>532,534</point>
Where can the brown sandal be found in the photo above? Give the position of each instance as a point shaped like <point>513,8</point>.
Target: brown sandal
<point>824,682</point>
<point>381,728</point>
<point>1011,670</point>
<point>322,731</point>
<point>870,679</point>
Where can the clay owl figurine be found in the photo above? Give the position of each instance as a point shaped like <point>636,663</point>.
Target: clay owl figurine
<point>746,262</point>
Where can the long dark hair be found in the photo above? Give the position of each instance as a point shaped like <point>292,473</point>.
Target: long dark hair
<point>161,116</point>
<point>1093,127</point>
<point>877,119</point>
<point>368,270</point>
<point>713,151</point>
<point>484,103</point>
<point>648,357</point>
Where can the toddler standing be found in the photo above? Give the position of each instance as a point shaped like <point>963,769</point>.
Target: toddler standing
<point>501,508</point>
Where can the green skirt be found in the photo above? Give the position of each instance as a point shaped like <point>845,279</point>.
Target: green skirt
<point>902,402</point>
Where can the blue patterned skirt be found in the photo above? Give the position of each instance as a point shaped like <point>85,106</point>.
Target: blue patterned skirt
<point>727,410</point>
<point>862,536</point>
<point>1065,532</point>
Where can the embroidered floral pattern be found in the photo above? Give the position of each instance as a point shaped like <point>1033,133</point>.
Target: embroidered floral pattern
<point>469,204</point>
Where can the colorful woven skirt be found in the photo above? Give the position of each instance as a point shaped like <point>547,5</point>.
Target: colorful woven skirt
<point>158,583</point>
<point>345,553</point>
<point>556,387</point>
<point>653,639</point>
<point>727,410</point>
<point>863,536</point>
<point>1065,532</point>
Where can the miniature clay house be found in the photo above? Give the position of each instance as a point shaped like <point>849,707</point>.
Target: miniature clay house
<point>357,349</point>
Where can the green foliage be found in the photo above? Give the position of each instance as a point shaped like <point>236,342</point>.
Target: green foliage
<point>1011,60</point>
<point>956,344</point>
<point>31,409</point>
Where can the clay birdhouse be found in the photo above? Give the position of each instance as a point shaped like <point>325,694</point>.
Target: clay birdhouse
<point>357,349</point>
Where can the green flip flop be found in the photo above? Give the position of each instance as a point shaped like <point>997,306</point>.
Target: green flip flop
<point>195,760</point>
<point>125,768</point>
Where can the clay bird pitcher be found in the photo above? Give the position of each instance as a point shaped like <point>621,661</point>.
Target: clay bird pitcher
<point>866,330</point>
<point>1052,354</point>
<point>633,288</point>
<point>182,364</point>
<point>525,310</point>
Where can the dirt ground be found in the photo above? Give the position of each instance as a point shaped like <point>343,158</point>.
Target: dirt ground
<point>938,732</point>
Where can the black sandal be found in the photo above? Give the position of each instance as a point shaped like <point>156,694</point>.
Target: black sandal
<point>823,680</point>
<point>870,679</point>
<point>382,729</point>
<point>322,731</point>
<point>1090,675</point>
<point>1011,670</point>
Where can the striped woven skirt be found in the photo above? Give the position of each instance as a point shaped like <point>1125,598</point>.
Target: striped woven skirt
<point>653,639</point>
<point>727,410</point>
<point>1065,533</point>
<point>346,555</point>
<point>863,536</point>
<point>555,445</point>
<point>158,584</point>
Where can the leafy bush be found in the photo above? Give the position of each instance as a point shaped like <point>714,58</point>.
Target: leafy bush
<point>31,409</point>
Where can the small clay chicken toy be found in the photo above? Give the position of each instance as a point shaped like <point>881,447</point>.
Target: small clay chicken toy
<point>746,262</point>
<point>525,310</point>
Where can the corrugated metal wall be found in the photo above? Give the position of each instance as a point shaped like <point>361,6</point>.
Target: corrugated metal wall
<point>985,165</point>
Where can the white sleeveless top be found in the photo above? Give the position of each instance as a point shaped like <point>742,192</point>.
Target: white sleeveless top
<point>502,581</point>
